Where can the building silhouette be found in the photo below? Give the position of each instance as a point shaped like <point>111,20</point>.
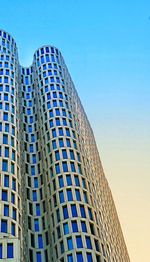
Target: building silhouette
<point>55,202</point>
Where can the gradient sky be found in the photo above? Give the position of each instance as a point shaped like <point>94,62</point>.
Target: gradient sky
<point>106,46</point>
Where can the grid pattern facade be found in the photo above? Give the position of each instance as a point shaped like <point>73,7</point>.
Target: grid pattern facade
<point>56,204</point>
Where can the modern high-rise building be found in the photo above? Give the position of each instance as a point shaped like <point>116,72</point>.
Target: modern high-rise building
<point>55,202</point>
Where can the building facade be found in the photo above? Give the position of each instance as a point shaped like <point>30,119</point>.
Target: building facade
<point>55,202</point>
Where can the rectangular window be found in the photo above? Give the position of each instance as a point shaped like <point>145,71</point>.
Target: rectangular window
<point>4,195</point>
<point>1,251</point>
<point>61,197</point>
<point>57,168</point>
<point>69,195</point>
<point>40,241</point>
<point>38,257</point>
<point>76,178</point>
<point>6,127</point>
<point>61,133</point>
<point>74,210</point>
<point>14,213</point>
<point>65,212</point>
<point>13,230</point>
<point>88,242</point>
<point>72,167</point>
<point>5,116</point>
<point>82,210</point>
<point>74,226</point>
<point>79,242</point>
<point>36,225</point>
<point>79,257</point>
<point>69,181</point>
<point>61,143</point>
<point>65,166</point>
<point>66,228</point>
<point>6,180</point>
<point>6,210</point>
<point>69,258</point>
<point>4,226</point>
<point>69,243</point>
<point>57,156</point>
<point>64,153</point>
<point>78,197</point>
<point>83,225</point>
<point>5,139</point>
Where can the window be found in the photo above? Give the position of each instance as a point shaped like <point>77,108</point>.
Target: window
<point>13,229</point>
<point>77,180</point>
<point>57,156</point>
<point>12,168</point>
<point>66,228</point>
<point>72,167</point>
<point>57,122</point>
<point>4,226</point>
<point>78,197</point>
<point>64,153</point>
<point>83,225</point>
<point>88,242</point>
<point>97,245</point>
<point>68,142</point>
<point>34,195</point>
<point>82,210</point>
<point>6,210</point>
<point>6,180</point>
<point>67,132</point>
<point>5,139</point>
<point>13,198</point>
<point>79,242</point>
<point>14,213</point>
<point>89,257</point>
<point>61,142</point>
<point>61,182</point>
<point>6,127</point>
<point>36,225</point>
<point>69,195</point>
<point>60,130</point>
<point>13,155</point>
<point>85,197</point>
<point>79,257</point>
<point>69,258</point>
<point>40,241</point>
<point>74,210</point>
<point>90,214</point>
<point>62,247</point>
<point>65,166</point>
<point>69,243</point>
<point>4,195</point>
<point>72,154</point>
<point>38,212</point>
<point>36,182</point>
<point>5,116</point>
<point>69,181</point>
<point>65,212</point>
<point>5,97</point>
<point>54,144</point>
<point>61,196</point>
<point>74,226</point>
<point>57,168</point>
<point>1,251</point>
<point>38,257</point>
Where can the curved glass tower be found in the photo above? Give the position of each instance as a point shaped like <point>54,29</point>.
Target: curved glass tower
<point>56,204</point>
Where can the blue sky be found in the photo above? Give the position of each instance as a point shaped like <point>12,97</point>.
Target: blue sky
<point>106,46</point>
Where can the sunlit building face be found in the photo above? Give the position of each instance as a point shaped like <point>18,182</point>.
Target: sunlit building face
<point>56,204</point>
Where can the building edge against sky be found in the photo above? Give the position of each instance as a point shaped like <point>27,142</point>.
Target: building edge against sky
<point>56,204</point>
